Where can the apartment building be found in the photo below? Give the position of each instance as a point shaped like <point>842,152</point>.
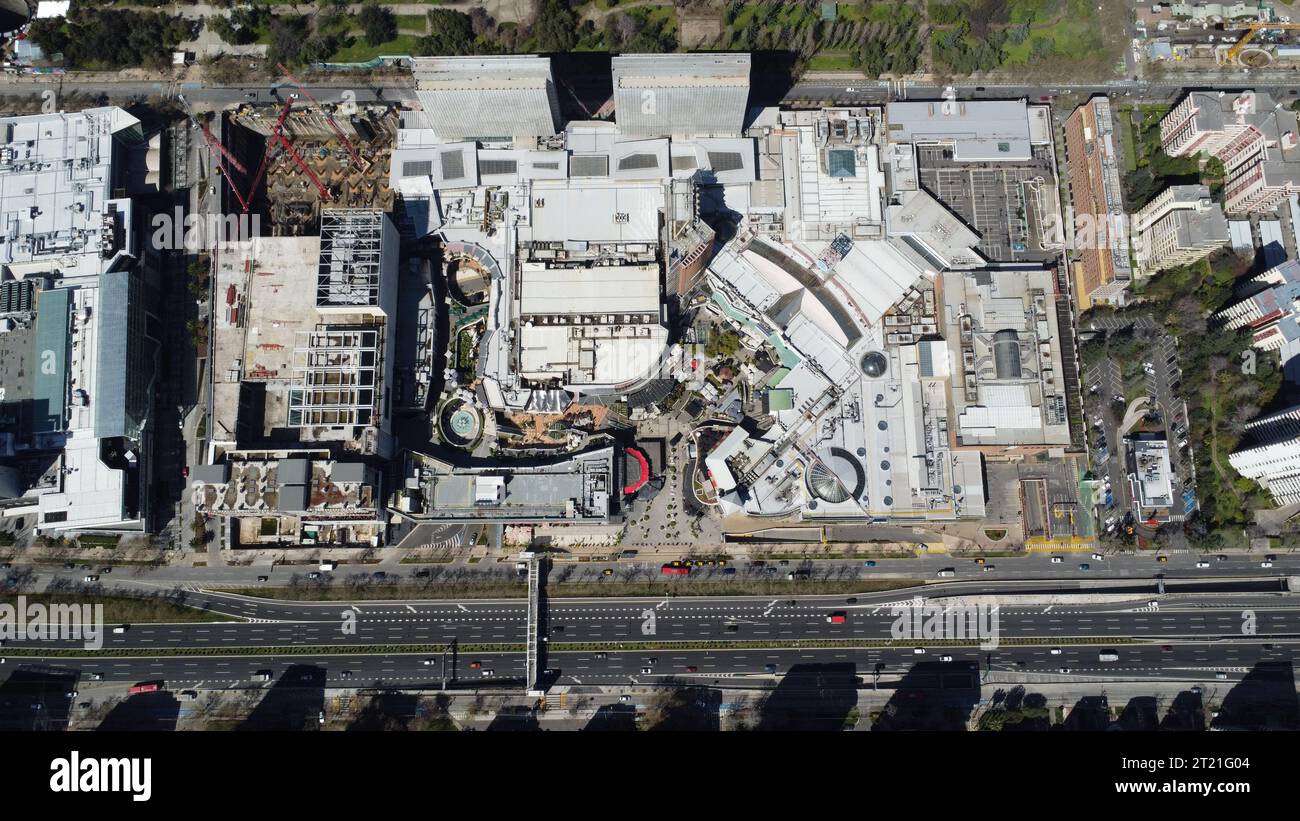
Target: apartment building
<point>1102,270</point>
<point>1254,137</point>
<point>1178,227</point>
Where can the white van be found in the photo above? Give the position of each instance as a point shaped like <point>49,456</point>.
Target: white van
<point>1108,655</point>
<point>263,675</point>
<point>121,628</point>
<point>328,565</point>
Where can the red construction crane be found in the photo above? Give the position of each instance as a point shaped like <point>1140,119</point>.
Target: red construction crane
<point>266,157</point>
<point>306,169</point>
<point>212,141</point>
<point>329,118</point>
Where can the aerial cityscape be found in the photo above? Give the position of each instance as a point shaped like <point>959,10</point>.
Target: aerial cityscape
<point>696,365</point>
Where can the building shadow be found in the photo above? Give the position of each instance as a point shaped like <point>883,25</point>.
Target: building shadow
<point>1265,699</point>
<point>932,696</point>
<point>157,712</point>
<point>517,719</point>
<point>1141,714</point>
<point>35,697</point>
<point>685,708</point>
<point>386,711</point>
<point>612,718</point>
<point>1186,712</point>
<point>1090,713</point>
<point>294,702</point>
<point>810,697</point>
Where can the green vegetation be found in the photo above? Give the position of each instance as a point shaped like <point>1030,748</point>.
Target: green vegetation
<point>244,26</point>
<point>1153,169</point>
<point>93,38</point>
<point>1221,396</point>
<point>894,45</point>
<point>642,30</point>
<point>124,609</point>
<point>378,25</point>
<point>555,28</point>
<point>723,343</point>
<point>1055,37</point>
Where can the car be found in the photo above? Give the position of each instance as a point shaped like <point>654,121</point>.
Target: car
<point>557,628</point>
<point>1162,559</point>
<point>1220,558</point>
<point>733,628</point>
<point>346,674</point>
<point>185,471</point>
<point>1195,689</point>
<point>1057,560</point>
<point>652,660</point>
<point>427,662</point>
<point>423,573</point>
<point>263,578</point>
<point>646,671</point>
<point>609,571</point>
<point>69,566</point>
<point>488,671</point>
<point>625,699</point>
<point>692,669</point>
<point>722,562</point>
<point>989,567</point>
<point>769,668</point>
<point>1166,648</point>
<point>945,658</point>
<point>728,571</point>
<point>1265,564</point>
<point>1085,566</point>
<point>293,95</point>
<point>85,567</point>
<point>602,656</point>
<point>1098,556</point>
<point>918,651</point>
<point>947,573</point>
<point>474,665</point>
<point>250,95</point>
<point>784,562</point>
<point>869,563</point>
<point>1220,675</point>
<point>1056,651</point>
<point>121,628</point>
<point>1064,670</point>
<point>105,570</point>
<point>313,575</point>
<point>189,695</point>
<point>96,676</point>
<point>379,575</point>
<point>979,560</point>
<point>6,566</point>
<point>851,600</point>
<point>836,618</point>
<point>91,578</point>
<point>1202,565</point>
<point>1153,603</point>
<point>1270,558</point>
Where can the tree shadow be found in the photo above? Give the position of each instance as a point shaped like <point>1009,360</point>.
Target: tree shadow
<point>157,711</point>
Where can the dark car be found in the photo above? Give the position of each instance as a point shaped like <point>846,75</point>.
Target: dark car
<point>263,578</point>
<point>728,571</point>
<point>422,574</point>
<point>733,628</point>
<point>851,600</point>
<point>379,575</point>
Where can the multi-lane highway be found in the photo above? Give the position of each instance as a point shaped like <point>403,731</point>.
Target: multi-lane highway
<point>1182,636</point>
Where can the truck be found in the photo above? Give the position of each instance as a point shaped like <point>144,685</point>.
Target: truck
<point>1108,655</point>
<point>145,687</point>
<point>836,618</point>
<point>262,675</point>
<point>328,565</point>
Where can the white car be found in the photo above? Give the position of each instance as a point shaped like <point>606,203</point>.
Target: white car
<point>1202,565</point>
<point>1057,560</point>
<point>647,671</point>
<point>945,658</point>
<point>1098,556</point>
<point>487,671</point>
<point>918,651</point>
<point>427,662</point>
<point>1056,651</point>
<point>1265,564</point>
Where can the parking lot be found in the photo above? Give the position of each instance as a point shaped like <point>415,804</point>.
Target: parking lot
<point>1106,404</point>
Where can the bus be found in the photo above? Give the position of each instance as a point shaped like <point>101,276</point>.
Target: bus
<point>675,569</point>
<point>146,687</point>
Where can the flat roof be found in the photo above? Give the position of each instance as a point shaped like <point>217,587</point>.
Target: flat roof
<point>977,129</point>
<point>596,211</point>
<point>601,290</point>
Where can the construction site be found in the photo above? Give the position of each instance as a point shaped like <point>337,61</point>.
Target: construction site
<point>283,161</point>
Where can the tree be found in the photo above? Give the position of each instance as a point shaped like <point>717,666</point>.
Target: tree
<point>451,33</point>
<point>555,28</point>
<point>288,36</point>
<point>378,24</point>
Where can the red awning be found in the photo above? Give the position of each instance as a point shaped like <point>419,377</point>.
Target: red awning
<point>644,476</point>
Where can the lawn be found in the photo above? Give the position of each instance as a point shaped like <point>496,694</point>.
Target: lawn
<point>831,61</point>
<point>359,51</point>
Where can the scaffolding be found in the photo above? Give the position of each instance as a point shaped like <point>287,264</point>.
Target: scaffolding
<point>351,257</point>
